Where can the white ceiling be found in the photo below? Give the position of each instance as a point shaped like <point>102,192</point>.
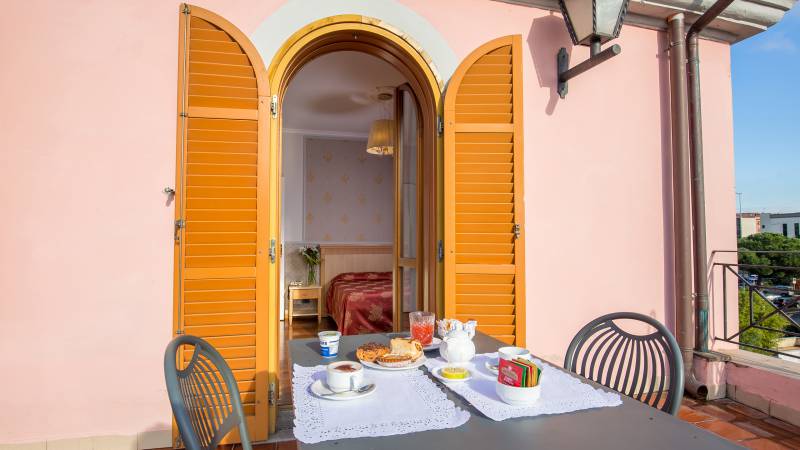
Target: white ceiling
<point>337,93</point>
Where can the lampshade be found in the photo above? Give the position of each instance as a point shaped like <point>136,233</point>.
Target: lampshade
<point>591,20</point>
<point>381,137</point>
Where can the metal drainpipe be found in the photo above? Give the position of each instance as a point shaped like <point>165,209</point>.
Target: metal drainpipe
<point>682,226</point>
<point>698,183</point>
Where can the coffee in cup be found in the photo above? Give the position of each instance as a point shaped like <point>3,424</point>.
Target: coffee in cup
<point>345,376</point>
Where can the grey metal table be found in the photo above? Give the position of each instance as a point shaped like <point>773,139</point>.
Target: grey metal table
<point>631,425</point>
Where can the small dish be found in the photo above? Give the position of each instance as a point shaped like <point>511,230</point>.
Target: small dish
<point>321,390</point>
<point>492,365</point>
<point>437,372</point>
<point>434,345</point>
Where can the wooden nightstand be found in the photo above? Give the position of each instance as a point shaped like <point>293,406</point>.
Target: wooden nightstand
<point>305,293</point>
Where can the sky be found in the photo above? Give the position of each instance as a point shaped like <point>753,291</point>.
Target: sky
<point>766,117</point>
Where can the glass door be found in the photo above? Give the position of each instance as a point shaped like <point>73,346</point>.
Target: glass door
<point>407,284</point>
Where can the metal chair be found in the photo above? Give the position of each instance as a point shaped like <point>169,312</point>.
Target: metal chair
<point>642,367</point>
<point>206,407</point>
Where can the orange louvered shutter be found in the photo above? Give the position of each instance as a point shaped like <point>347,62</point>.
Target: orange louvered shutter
<point>221,263</point>
<point>483,208</point>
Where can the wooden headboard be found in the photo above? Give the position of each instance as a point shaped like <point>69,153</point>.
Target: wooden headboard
<point>342,258</point>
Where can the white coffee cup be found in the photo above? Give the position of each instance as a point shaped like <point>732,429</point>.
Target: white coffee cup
<point>511,353</point>
<point>345,376</point>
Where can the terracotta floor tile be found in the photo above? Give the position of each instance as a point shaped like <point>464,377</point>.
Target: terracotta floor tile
<point>763,444</point>
<point>789,428</point>
<point>717,412</point>
<point>726,430</point>
<point>692,416</point>
<point>745,410</point>
<point>759,429</point>
<point>793,443</point>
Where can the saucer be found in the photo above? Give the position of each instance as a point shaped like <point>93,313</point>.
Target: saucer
<point>434,345</point>
<point>437,372</point>
<point>492,365</point>
<point>321,390</point>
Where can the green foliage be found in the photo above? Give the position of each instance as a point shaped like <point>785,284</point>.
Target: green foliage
<point>311,255</point>
<point>771,242</point>
<point>760,338</point>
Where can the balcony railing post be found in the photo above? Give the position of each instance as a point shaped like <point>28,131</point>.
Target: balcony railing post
<point>725,270</point>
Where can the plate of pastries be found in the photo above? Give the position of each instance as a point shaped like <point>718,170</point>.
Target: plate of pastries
<point>401,354</point>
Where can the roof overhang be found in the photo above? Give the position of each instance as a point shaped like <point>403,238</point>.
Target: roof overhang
<point>744,18</point>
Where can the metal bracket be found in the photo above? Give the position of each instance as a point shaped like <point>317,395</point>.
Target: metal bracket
<point>439,125</point>
<point>179,225</point>
<point>169,191</point>
<point>565,73</point>
<point>272,252</point>
<point>562,64</point>
<point>440,251</point>
<point>271,394</point>
<point>273,106</point>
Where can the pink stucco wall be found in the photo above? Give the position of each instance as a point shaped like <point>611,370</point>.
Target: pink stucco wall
<point>88,141</point>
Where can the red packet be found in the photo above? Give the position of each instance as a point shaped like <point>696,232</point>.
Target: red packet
<point>509,373</point>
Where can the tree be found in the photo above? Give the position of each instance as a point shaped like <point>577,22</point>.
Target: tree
<point>754,336</point>
<point>771,242</point>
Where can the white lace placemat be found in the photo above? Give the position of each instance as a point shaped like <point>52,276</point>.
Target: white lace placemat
<point>404,402</point>
<point>561,392</point>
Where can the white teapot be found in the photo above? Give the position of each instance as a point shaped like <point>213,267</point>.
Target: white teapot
<point>457,347</point>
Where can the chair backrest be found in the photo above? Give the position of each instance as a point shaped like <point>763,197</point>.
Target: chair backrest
<point>646,367</point>
<point>203,395</point>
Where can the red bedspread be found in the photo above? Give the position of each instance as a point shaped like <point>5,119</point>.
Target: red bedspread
<point>361,302</point>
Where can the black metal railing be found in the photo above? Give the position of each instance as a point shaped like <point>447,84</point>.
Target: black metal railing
<point>780,300</point>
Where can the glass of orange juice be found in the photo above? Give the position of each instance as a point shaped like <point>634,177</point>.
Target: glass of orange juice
<point>422,326</point>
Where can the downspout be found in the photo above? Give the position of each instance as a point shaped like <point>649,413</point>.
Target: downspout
<point>682,227</point>
<point>698,183</point>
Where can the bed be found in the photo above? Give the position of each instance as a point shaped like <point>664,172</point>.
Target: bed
<point>361,302</point>
<point>356,282</point>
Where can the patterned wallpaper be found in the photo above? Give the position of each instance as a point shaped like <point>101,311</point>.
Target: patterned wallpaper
<point>349,193</point>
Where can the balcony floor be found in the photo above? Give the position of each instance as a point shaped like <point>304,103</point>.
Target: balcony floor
<point>741,424</point>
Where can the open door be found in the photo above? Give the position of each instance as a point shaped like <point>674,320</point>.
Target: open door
<point>221,205</point>
<point>408,277</point>
<point>484,266</point>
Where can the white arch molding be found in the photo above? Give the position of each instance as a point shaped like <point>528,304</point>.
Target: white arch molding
<point>273,32</point>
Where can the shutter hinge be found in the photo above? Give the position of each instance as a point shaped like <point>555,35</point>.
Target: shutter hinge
<point>440,251</point>
<point>517,231</point>
<point>184,114</point>
<point>271,394</point>
<point>272,251</point>
<point>179,332</point>
<point>439,125</point>
<point>273,106</point>
<point>178,442</point>
<point>186,9</point>
<point>179,225</point>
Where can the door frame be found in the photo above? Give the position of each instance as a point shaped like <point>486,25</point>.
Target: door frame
<point>367,35</point>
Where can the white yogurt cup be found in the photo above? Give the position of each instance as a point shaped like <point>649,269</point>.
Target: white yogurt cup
<point>329,343</point>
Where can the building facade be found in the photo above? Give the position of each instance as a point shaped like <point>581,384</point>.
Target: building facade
<point>89,147</point>
<point>787,224</point>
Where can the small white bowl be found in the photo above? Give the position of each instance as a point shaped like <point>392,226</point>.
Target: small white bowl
<point>518,396</point>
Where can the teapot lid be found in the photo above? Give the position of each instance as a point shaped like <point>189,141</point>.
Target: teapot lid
<point>458,334</point>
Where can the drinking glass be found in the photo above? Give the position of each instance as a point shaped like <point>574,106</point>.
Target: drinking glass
<point>422,326</point>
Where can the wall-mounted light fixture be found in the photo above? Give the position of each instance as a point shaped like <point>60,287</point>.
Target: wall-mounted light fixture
<point>591,23</point>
